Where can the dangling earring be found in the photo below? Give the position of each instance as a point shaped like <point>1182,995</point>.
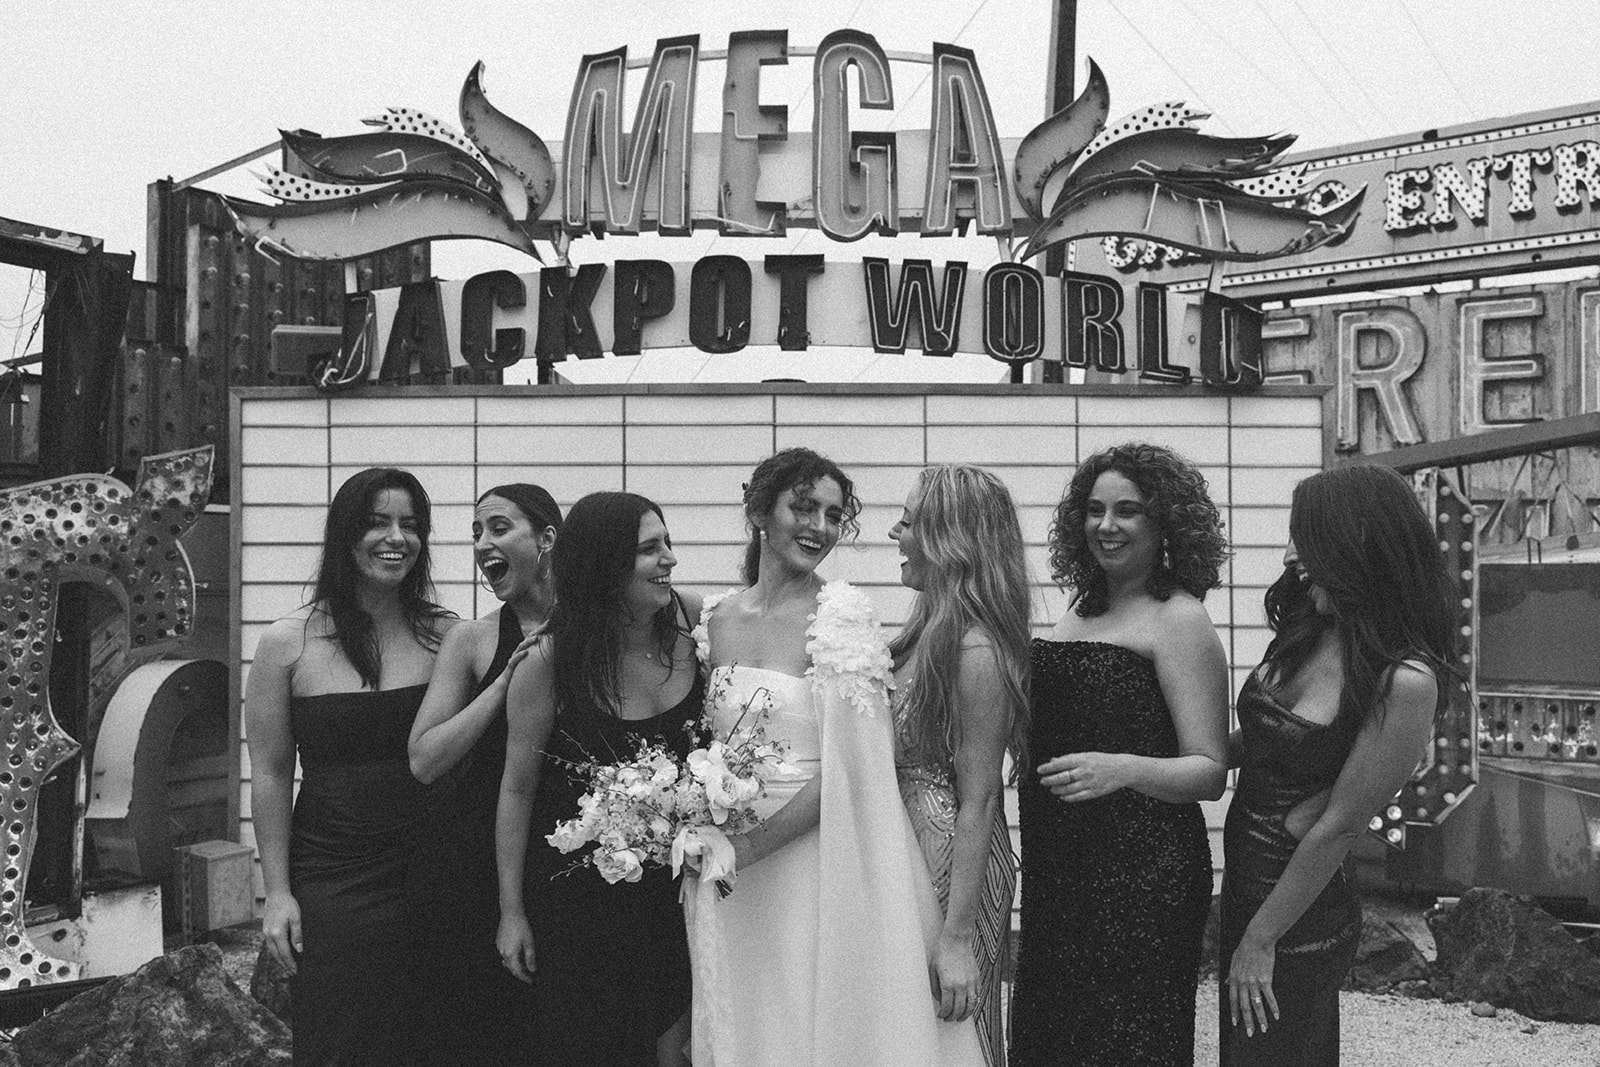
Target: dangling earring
<point>1166,555</point>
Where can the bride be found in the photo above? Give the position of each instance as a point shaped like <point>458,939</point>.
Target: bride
<point>819,956</point>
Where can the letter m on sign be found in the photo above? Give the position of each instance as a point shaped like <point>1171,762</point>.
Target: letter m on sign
<point>609,172</point>
<point>938,315</point>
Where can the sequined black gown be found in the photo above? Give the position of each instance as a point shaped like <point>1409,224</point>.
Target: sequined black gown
<point>478,1013</point>
<point>1114,890</point>
<point>612,969</point>
<point>1286,759</point>
<point>352,869</point>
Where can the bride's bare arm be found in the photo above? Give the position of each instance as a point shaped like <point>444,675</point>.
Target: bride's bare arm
<point>802,813</point>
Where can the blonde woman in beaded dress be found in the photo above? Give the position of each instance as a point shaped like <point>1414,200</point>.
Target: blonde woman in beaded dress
<point>961,699</point>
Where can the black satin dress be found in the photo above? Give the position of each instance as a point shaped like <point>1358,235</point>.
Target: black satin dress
<point>612,961</point>
<point>1115,890</point>
<point>1286,760</point>
<point>352,867</point>
<point>478,1013</point>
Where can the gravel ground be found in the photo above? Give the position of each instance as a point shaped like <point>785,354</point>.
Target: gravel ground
<point>1379,1030</point>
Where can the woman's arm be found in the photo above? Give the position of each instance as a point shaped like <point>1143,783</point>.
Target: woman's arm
<point>445,731</point>
<point>802,812</point>
<point>985,717</point>
<point>1382,758</point>
<point>1193,674</point>
<point>272,758</point>
<point>530,716</point>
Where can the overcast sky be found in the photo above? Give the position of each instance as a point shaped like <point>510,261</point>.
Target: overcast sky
<point>101,97</point>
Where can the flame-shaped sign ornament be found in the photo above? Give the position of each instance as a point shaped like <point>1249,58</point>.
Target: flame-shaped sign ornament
<point>1154,175</point>
<point>418,179</point>
<point>88,528</point>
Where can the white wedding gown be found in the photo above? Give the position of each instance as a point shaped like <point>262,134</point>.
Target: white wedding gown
<point>819,956</point>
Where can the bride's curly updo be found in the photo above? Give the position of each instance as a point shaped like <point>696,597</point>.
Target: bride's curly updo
<point>791,468</point>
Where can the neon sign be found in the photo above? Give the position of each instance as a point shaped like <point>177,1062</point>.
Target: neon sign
<point>1152,175</point>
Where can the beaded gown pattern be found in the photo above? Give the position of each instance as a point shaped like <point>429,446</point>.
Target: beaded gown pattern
<point>1115,890</point>
<point>928,790</point>
<point>353,860</point>
<point>1286,760</point>
<point>612,960</point>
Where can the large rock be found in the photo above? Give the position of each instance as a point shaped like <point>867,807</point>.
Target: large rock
<point>269,985</point>
<point>178,1010</point>
<point>1499,948</point>
<point>1385,958</point>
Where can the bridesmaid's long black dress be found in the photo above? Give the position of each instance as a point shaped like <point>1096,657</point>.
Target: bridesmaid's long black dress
<point>1286,759</point>
<point>1114,890</point>
<point>612,961</point>
<point>352,865</point>
<point>479,1013</point>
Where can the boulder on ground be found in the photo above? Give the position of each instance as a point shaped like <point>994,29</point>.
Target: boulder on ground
<point>178,1010</point>
<point>1385,959</point>
<point>1502,949</point>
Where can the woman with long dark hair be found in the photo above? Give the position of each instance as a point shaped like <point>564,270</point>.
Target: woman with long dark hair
<point>614,667</point>
<point>1129,734</point>
<point>478,1012</point>
<point>1331,724</point>
<point>820,955</point>
<point>339,682</point>
<point>960,701</point>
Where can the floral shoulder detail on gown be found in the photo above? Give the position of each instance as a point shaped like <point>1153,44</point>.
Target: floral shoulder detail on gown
<point>701,634</point>
<point>847,649</point>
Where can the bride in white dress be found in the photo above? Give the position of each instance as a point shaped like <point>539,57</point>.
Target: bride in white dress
<point>820,954</point>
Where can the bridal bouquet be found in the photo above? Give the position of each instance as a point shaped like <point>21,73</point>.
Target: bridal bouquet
<point>655,809</point>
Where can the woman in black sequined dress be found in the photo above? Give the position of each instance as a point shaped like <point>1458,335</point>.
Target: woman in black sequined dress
<point>477,1012</point>
<point>1128,733</point>
<point>339,682</point>
<point>1332,724</point>
<point>609,964</point>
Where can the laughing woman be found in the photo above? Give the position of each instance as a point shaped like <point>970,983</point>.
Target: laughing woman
<point>339,683</point>
<point>1129,729</point>
<point>615,667</point>
<point>961,699</point>
<point>478,1012</point>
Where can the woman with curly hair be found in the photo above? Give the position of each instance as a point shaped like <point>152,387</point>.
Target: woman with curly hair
<point>960,701</point>
<point>1331,724</point>
<point>1129,733</point>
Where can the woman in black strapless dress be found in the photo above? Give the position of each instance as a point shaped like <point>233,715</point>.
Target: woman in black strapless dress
<point>1128,733</point>
<point>340,681</point>
<point>609,963</point>
<point>477,1012</point>
<point>1331,725</point>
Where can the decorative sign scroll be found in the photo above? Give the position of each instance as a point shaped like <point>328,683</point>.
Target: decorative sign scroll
<point>78,528</point>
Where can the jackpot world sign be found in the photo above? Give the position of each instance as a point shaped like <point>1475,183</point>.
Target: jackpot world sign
<point>1150,176</point>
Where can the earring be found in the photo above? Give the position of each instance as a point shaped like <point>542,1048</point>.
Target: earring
<point>1166,556</point>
